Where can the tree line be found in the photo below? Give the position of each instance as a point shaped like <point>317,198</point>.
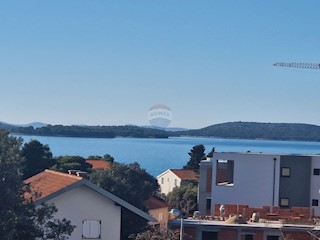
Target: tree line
<point>236,130</point>
<point>92,131</point>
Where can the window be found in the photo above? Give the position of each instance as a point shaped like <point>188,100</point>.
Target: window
<point>175,183</point>
<point>91,229</point>
<point>208,204</point>
<point>285,172</point>
<point>248,237</point>
<point>272,237</point>
<point>316,171</point>
<point>162,181</point>
<point>315,202</point>
<point>284,202</point>
<point>209,235</point>
<point>224,174</point>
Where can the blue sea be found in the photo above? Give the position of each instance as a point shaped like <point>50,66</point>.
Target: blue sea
<point>157,155</point>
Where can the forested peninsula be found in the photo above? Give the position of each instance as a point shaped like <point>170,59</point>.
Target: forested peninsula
<point>256,130</point>
<point>235,130</point>
<point>92,131</point>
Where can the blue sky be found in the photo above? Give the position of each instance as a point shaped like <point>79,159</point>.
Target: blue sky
<point>107,62</point>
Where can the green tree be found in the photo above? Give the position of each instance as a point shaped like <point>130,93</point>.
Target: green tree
<point>108,158</point>
<point>94,157</point>
<point>131,183</point>
<point>20,219</point>
<point>196,155</point>
<point>65,163</point>
<point>38,157</point>
<point>210,154</point>
<point>184,198</point>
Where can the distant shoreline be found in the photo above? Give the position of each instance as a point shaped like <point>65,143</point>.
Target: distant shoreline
<point>231,130</point>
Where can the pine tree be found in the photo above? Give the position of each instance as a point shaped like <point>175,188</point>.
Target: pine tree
<point>20,219</point>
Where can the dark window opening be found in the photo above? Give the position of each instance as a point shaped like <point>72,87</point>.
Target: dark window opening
<point>208,204</point>
<point>248,237</point>
<point>209,235</point>
<point>225,172</point>
<point>316,171</point>
<point>272,237</point>
<point>315,202</point>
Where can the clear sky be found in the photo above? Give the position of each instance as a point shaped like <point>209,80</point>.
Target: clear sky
<point>102,62</point>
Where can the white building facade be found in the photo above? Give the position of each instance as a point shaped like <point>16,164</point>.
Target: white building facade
<point>259,180</point>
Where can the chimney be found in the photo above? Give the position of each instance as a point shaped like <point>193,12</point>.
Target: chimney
<point>82,174</point>
<point>73,172</point>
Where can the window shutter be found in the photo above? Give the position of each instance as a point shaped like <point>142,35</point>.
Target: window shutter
<point>86,229</point>
<point>91,229</point>
<point>95,229</point>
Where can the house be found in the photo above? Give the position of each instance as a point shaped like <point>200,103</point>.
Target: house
<point>95,212</point>
<point>175,178</point>
<point>158,209</point>
<point>276,182</point>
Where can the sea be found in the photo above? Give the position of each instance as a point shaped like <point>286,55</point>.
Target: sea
<point>158,155</point>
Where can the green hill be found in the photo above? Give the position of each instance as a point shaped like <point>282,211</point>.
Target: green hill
<point>255,130</point>
<point>92,131</point>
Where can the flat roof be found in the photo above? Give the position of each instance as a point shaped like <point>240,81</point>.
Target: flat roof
<point>261,225</point>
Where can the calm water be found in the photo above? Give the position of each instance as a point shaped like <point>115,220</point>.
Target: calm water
<point>157,155</point>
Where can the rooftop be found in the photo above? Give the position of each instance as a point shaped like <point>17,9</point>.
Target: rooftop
<point>49,182</point>
<point>155,203</point>
<point>99,164</point>
<point>264,224</point>
<point>185,174</point>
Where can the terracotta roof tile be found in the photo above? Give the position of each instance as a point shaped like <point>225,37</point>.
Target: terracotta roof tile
<point>185,174</point>
<point>49,181</point>
<point>154,203</point>
<point>96,164</point>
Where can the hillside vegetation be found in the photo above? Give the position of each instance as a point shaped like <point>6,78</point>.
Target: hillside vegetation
<point>255,130</point>
<point>92,131</point>
<point>237,130</point>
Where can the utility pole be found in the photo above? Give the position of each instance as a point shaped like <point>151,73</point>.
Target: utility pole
<point>181,229</point>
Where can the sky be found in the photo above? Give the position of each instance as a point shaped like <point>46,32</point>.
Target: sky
<point>104,62</point>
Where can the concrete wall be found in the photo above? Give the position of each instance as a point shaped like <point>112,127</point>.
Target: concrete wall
<point>254,182</point>
<point>296,187</point>
<point>83,203</point>
<point>315,185</point>
<point>205,186</point>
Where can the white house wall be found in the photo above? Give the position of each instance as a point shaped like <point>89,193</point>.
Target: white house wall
<point>83,203</point>
<point>253,180</point>
<point>168,181</point>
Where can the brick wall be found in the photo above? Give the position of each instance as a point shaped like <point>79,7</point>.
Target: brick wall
<point>294,213</point>
<point>228,234</point>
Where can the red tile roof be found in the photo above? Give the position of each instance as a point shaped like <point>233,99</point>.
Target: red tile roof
<point>154,203</point>
<point>49,182</point>
<point>98,164</point>
<point>185,174</point>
